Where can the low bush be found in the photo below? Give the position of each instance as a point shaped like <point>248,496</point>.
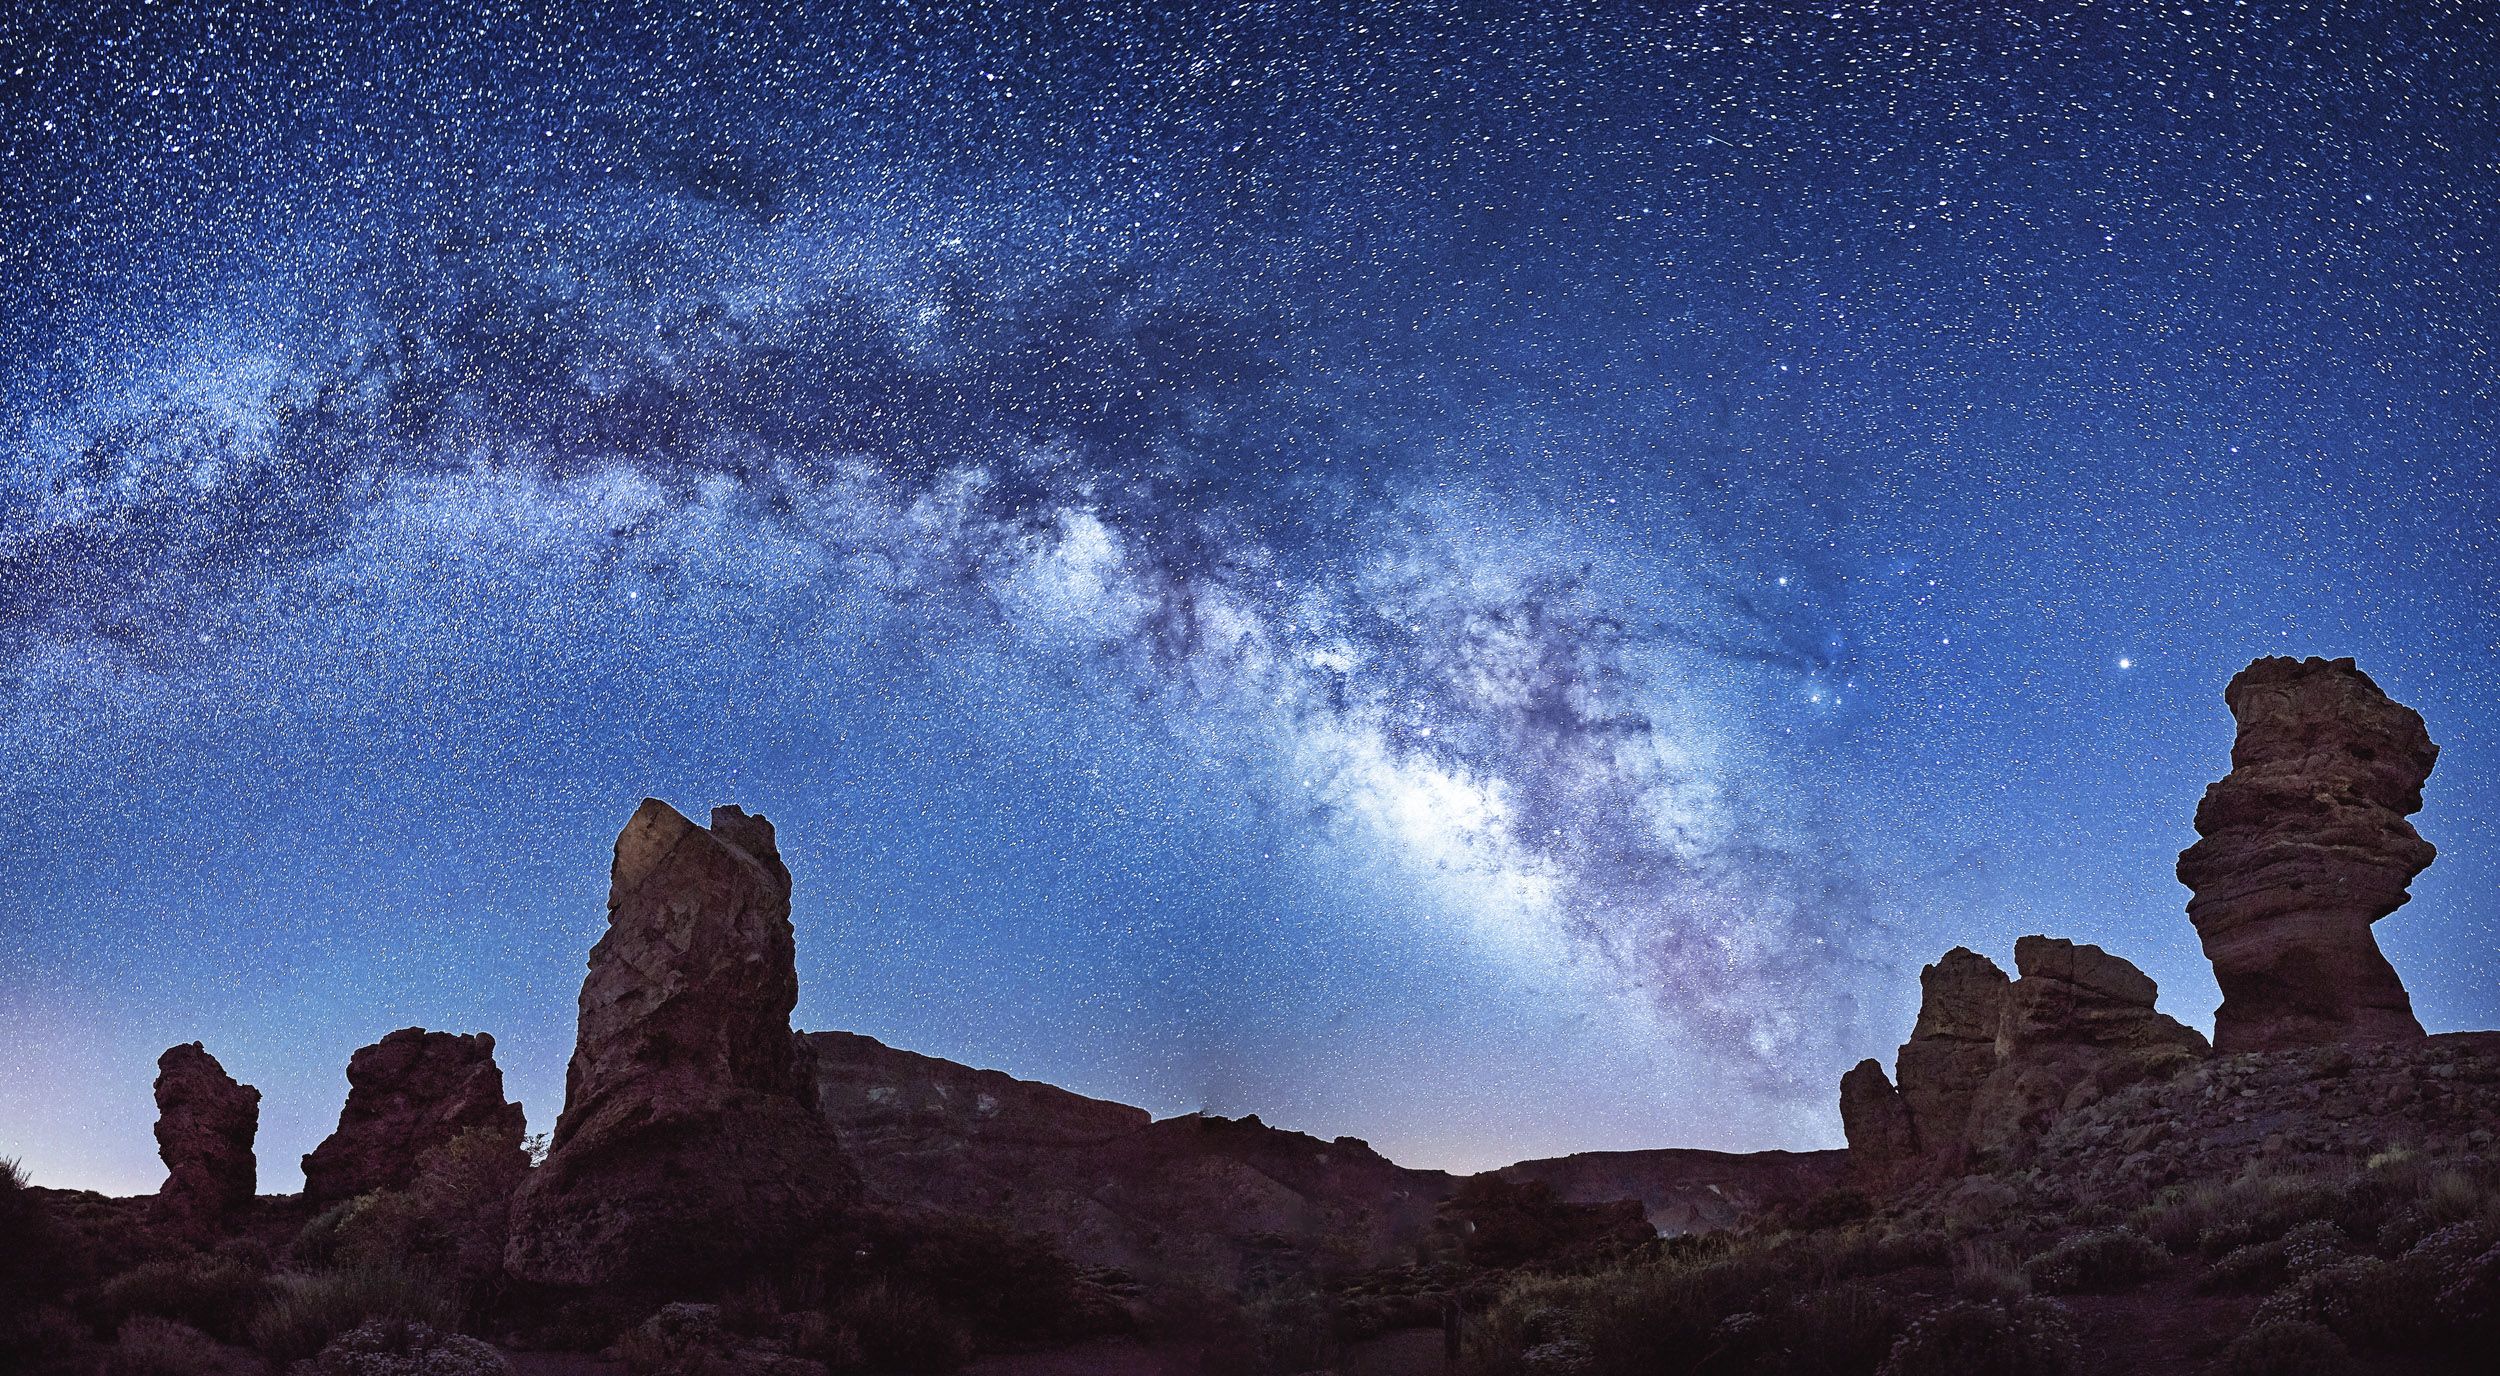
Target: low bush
<point>2096,1262</point>
<point>219,1295</point>
<point>400,1348</point>
<point>1988,1273</point>
<point>2365,1301</point>
<point>1843,1331</point>
<point>900,1329</point>
<point>2026,1338</point>
<point>2250,1270</point>
<point>306,1311</point>
<point>150,1346</point>
<point>2287,1347</point>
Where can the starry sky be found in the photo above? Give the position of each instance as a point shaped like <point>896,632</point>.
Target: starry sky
<point>1493,578</point>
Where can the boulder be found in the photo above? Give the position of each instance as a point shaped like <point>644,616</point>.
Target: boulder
<point>407,1094</point>
<point>205,1123</point>
<point>689,1146</point>
<point>2304,845</point>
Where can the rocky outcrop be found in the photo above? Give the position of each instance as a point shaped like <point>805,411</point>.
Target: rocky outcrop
<point>1992,1063</point>
<point>205,1123</point>
<point>1952,1048</point>
<point>689,1145</point>
<point>2078,1023</point>
<point>407,1094</point>
<point>1682,1190</point>
<point>1875,1119</point>
<point>2305,845</point>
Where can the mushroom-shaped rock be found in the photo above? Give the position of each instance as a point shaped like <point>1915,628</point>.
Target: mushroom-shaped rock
<point>2303,845</point>
<point>689,1145</point>
<point>407,1094</point>
<point>205,1123</point>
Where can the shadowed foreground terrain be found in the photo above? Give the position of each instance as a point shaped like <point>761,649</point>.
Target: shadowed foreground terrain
<point>2053,1176</point>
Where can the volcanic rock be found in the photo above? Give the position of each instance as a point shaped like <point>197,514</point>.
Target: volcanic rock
<point>2078,1023</point>
<point>1991,1064</point>
<point>1952,1048</point>
<point>1875,1118</point>
<point>407,1094</point>
<point>689,1145</point>
<point>205,1123</point>
<point>2304,845</point>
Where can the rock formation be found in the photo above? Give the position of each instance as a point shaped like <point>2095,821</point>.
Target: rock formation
<point>1952,1048</point>
<point>2078,1023</point>
<point>689,1144</point>
<point>1875,1119</point>
<point>205,1123</point>
<point>407,1094</point>
<point>2304,845</point>
<point>1686,1190</point>
<point>1991,1063</point>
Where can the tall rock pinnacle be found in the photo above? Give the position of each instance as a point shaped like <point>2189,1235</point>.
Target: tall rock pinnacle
<point>2305,844</point>
<point>689,1142</point>
<point>205,1123</point>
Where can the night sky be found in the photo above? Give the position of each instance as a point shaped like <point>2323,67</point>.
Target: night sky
<point>1490,581</point>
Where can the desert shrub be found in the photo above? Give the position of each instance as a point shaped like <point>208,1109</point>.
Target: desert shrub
<point>2249,1270</point>
<point>316,1245</point>
<point>217,1295</point>
<point>2214,1218</point>
<point>37,1260</point>
<point>2026,1338</point>
<point>2096,1261</point>
<point>2366,1301</point>
<point>392,1347</point>
<point>1988,1273</point>
<point>1834,1208</point>
<point>150,1346</point>
<point>306,1311</point>
<point>2287,1347</point>
<point>1842,1331</point>
<point>901,1329</point>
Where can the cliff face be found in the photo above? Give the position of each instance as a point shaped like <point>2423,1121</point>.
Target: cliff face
<point>1208,1197</point>
<point>2304,845</point>
<point>689,1142</point>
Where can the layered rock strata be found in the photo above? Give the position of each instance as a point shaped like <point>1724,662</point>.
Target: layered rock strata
<point>2304,845</point>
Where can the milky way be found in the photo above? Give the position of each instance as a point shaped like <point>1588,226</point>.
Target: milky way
<point>1490,584</point>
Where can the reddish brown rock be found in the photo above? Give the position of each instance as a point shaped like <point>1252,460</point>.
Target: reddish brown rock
<point>689,1145</point>
<point>1952,1048</point>
<point>2304,845</point>
<point>2078,1023</point>
<point>1875,1119</point>
<point>1992,1063</point>
<point>407,1094</point>
<point>205,1123</point>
